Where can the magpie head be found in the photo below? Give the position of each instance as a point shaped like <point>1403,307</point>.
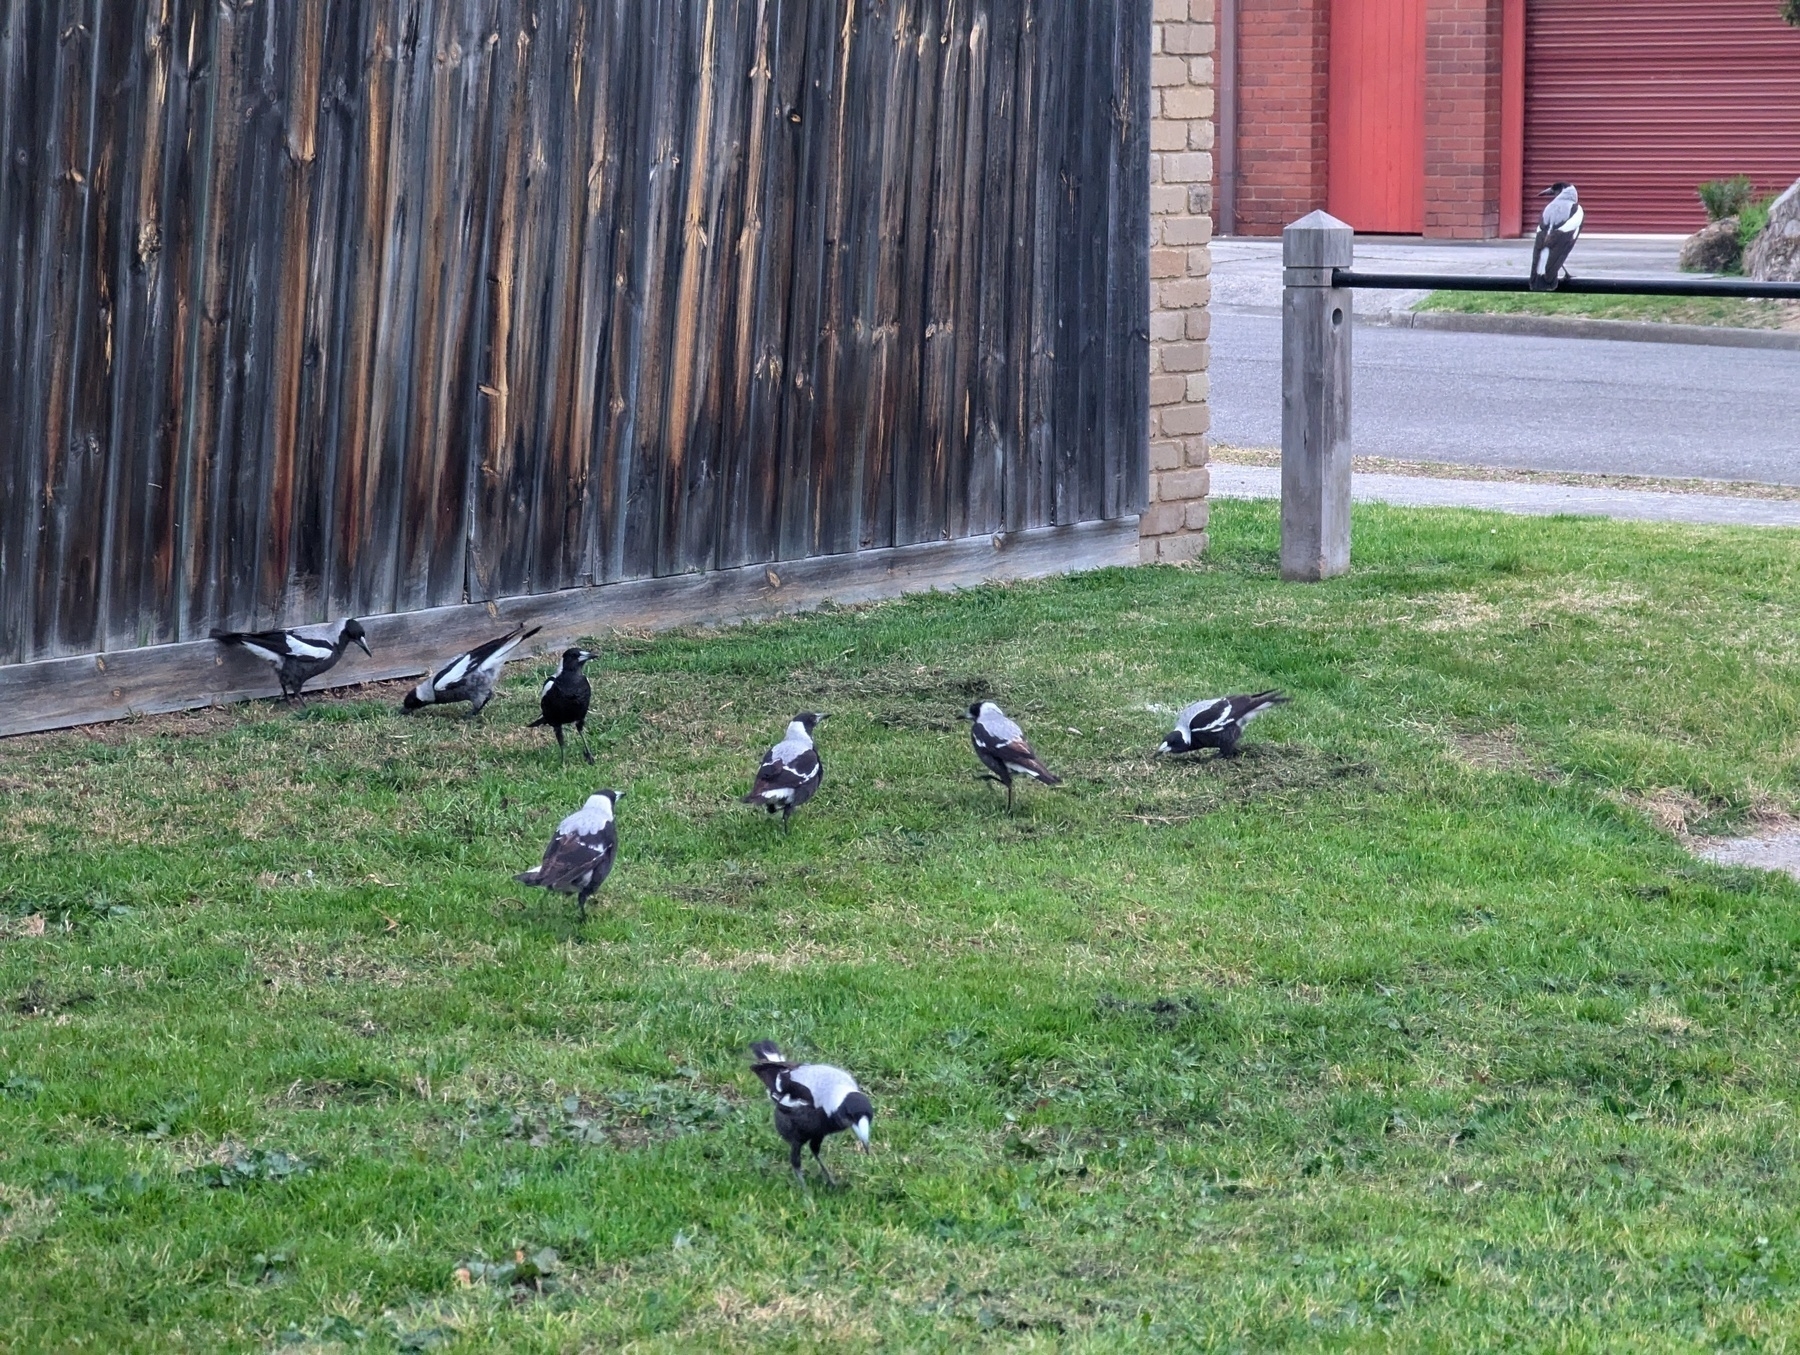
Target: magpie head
<point>412,701</point>
<point>612,797</point>
<point>856,1112</point>
<point>352,634</point>
<point>807,720</point>
<point>574,658</point>
<point>1555,188</point>
<point>973,712</point>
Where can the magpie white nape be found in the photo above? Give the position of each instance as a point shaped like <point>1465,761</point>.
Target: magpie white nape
<point>790,772</point>
<point>297,657</point>
<point>469,677</point>
<point>1558,230</point>
<point>1000,746</point>
<point>812,1102</point>
<point>581,855</point>
<point>1218,722</point>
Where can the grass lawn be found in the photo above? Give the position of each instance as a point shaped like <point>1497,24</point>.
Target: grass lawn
<point>1674,310</point>
<point>1409,1029</point>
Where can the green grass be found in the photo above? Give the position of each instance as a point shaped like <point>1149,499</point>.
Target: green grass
<point>1675,310</point>
<point>1406,1030</point>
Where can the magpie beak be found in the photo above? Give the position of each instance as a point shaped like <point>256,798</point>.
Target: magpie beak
<point>1550,192</point>
<point>363,645</point>
<point>861,1130</point>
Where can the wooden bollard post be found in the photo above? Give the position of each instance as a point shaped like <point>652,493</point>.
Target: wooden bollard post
<point>1315,399</point>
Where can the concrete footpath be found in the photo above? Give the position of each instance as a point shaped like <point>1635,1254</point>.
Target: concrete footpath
<point>1501,496</point>
<point>1247,280</point>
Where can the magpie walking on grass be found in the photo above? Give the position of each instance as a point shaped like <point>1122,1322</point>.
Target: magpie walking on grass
<point>1001,747</point>
<point>297,658</point>
<point>580,856</point>
<point>564,701</point>
<point>791,771</point>
<point>1218,722</point>
<point>469,677</point>
<point>1558,230</point>
<point>812,1102</point>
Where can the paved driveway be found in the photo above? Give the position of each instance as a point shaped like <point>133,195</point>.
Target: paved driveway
<point>1506,400</point>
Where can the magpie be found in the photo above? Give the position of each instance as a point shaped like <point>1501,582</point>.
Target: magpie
<point>469,677</point>
<point>1218,722</point>
<point>580,856</point>
<point>790,772</point>
<point>812,1101</point>
<point>1557,232</point>
<point>564,701</point>
<point>1001,746</point>
<point>297,658</point>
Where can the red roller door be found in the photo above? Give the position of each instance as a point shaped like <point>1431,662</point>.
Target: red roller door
<point>1637,101</point>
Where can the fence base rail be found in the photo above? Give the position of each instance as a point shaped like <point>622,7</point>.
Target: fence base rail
<point>90,688</point>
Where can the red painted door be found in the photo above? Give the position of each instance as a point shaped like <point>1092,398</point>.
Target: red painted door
<point>1377,115</point>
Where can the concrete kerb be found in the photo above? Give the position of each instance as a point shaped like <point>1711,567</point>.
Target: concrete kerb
<point>1574,327</point>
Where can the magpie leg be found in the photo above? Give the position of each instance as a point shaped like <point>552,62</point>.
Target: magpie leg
<point>787,812</point>
<point>1009,797</point>
<point>581,908</point>
<point>586,752</point>
<point>794,1160</point>
<point>830,1180</point>
<point>562,749</point>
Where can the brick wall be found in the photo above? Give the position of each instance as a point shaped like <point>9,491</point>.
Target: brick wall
<point>1173,526</point>
<point>1284,71</point>
<point>1284,62</point>
<point>1462,119</point>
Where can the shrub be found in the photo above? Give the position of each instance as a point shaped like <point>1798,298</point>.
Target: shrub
<point>1755,216</point>
<point>1727,197</point>
<point>1790,10</point>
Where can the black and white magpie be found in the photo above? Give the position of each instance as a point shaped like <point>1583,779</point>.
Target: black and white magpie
<point>580,856</point>
<point>297,658</point>
<point>790,772</point>
<point>564,701</point>
<point>469,677</point>
<point>1218,722</point>
<point>1558,230</point>
<point>812,1102</point>
<point>1001,746</point>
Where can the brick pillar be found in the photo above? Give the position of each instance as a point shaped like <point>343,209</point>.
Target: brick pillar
<point>1462,119</point>
<point>1173,526</point>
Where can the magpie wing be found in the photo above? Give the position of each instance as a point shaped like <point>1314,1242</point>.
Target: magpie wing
<point>1205,715</point>
<point>1013,751</point>
<point>779,774</point>
<point>572,855</point>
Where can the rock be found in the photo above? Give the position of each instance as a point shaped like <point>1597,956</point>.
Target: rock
<point>1774,256</point>
<point>1715,249</point>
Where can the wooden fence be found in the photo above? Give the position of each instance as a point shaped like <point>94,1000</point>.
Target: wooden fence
<point>323,307</point>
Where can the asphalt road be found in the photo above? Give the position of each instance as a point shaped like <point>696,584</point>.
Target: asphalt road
<point>1542,404</point>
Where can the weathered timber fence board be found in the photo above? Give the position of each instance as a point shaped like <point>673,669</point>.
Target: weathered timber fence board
<point>330,307</point>
<point>56,693</point>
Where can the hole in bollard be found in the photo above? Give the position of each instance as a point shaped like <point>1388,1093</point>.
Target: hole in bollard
<point>1337,316</point>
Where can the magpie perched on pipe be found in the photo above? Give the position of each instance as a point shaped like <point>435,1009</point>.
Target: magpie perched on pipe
<point>580,856</point>
<point>791,771</point>
<point>1218,722</point>
<point>564,701</point>
<point>297,658</point>
<point>1000,745</point>
<point>812,1102</point>
<point>469,677</point>
<point>1557,232</point>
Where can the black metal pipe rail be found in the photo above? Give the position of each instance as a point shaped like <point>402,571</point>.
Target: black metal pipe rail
<point>1739,287</point>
